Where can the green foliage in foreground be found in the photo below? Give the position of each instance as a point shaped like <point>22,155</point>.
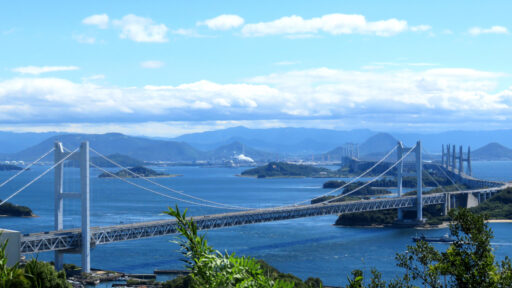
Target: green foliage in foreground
<point>468,262</point>
<point>43,275</point>
<point>34,274</point>
<point>11,277</point>
<point>211,268</point>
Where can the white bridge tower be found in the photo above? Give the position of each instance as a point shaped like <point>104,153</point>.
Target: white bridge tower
<point>82,156</point>
<point>419,178</point>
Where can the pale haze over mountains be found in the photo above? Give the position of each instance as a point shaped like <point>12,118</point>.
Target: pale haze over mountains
<point>259,144</point>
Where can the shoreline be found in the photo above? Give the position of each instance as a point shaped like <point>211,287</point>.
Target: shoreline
<point>426,227</point>
<point>31,216</point>
<point>270,177</point>
<point>499,221</point>
<point>159,176</point>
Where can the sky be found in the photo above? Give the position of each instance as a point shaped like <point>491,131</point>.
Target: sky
<point>165,68</point>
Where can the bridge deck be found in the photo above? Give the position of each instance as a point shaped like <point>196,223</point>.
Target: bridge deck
<point>70,239</point>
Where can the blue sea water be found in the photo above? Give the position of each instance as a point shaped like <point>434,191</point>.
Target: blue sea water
<point>304,247</point>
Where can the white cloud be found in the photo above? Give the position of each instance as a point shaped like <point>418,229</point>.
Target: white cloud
<point>36,70</point>
<point>223,22</point>
<point>286,63</point>
<point>84,39</point>
<point>400,65</point>
<point>422,64</point>
<point>399,97</point>
<point>140,29</point>
<point>99,20</point>
<point>334,24</point>
<point>421,28</point>
<point>189,33</point>
<point>152,64</point>
<point>493,30</point>
<point>93,78</point>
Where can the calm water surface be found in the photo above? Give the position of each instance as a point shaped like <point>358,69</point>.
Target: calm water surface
<point>305,247</point>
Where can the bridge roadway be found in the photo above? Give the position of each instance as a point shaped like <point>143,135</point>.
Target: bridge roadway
<point>70,239</point>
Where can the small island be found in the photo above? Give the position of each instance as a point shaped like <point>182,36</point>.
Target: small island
<point>283,169</point>
<point>141,171</point>
<point>9,167</point>
<point>9,209</point>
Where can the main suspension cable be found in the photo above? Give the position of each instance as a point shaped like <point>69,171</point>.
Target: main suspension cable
<point>371,181</point>
<point>26,168</point>
<point>156,192</point>
<point>353,180</point>
<point>432,178</point>
<point>166,187</point>
<point>449,178</point>
<point>38,177</point>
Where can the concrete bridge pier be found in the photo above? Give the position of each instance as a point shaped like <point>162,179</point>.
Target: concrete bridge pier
<point>471,200</point>
<point>419,182</point>
<point>446,204</point>
<point>453,158</point>
<point>399,171</point>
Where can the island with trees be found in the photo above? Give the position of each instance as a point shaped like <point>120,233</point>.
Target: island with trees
<point>9,209</point>
<point>136,172</point>
<point>284,169</point>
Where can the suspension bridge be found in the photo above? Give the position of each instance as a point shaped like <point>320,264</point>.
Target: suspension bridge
<point>81,240</point>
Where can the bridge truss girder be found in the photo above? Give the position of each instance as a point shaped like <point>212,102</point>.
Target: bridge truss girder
<point>71,239</point>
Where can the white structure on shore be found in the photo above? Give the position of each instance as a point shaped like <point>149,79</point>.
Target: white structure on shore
<point>243,158</point>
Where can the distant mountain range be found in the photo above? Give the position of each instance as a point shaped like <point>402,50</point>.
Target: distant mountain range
<point>259,144</point>
<point>302,141</point>
<point>308,141</point>
<point>492,151</point>
<point>374,147</point>
<point>112,143</point>
<point>11,142</point>
<point>144,149</point>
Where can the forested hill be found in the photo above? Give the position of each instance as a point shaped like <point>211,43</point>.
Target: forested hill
<point>136,172</point>
<point>492,152</point>
<point>112,143</point>
<point>283,169</point>
<point>131,149</point>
